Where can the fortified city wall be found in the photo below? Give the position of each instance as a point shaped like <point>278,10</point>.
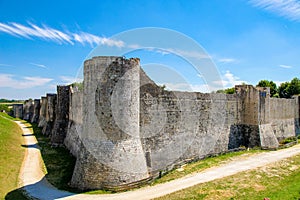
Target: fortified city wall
<point>125,130</point>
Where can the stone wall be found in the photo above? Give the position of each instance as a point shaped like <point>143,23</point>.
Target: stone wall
<point>125,130</point>
<point>28,109</point>
<point>173,127</point>
<point>60,126</point>
<point>18,111</point>
<point>112,153</point>
<point>49,114</point>
<point>36,111</point>
<point>43,111</point>
<point>284,117</point>
<point>75,124</point>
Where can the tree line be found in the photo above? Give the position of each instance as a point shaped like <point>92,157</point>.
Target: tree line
<point>284,90</point>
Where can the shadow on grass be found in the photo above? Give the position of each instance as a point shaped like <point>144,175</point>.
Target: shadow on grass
<point>30,146</point>
<point>16,194</point>
<point>27,126</point>
<point>25,135</point>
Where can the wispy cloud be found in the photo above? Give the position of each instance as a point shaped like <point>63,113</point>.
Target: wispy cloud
<point>31,31</point>
<point>285,66</point>
<point>5,65</point>
<point>228,80</point>
<point>187,87</point>
<point>289,9</point>
<point>10,81</point>
<point>227,60</point>
<point>39,65</point>
<point>156,50</point>
<point>190,54</point>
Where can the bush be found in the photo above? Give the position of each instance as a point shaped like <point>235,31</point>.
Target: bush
<point>5,107</point>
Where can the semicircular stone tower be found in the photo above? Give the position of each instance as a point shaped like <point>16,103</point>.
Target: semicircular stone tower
<point>111,156</point>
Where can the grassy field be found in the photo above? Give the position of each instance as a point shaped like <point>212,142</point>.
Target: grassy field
<point>277,182</point>
<point>11,155</point>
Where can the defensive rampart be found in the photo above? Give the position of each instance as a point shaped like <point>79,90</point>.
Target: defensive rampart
<point>125,130</point>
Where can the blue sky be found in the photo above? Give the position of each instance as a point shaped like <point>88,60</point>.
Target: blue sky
<point>44,43</point>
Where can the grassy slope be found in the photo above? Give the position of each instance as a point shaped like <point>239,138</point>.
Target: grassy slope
<point>276,181</point>
<point>11,154</point>
<point>202,165</point>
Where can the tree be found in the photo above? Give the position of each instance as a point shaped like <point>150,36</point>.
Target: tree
<point>283,90</point>
<point>294,87</point>
<point>227,91</point>
<point>270,84</point>
<point>288,89</point>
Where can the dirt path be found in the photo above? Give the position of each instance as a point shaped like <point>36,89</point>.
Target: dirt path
<point>32,174</point>
<point>33,181</point>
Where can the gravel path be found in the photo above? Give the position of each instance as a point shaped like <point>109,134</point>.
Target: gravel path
<point>33,181</point>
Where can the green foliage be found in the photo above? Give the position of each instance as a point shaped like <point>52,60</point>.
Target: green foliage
<point>294,87</point>
<point>78,85</point>
<point>5,107</point>
<point>288,89</point>
<point>270,84</point>
<point>10,101</point>
<point>283,90</point>
<point>227,91</point>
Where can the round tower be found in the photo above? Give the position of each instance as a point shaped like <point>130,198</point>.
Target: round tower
<point>112,156</point>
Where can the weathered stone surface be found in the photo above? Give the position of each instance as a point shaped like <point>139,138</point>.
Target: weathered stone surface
<point>60,126</point>
<point>75,126</point>
<point>18,111</point>
<point>50,114</point>
<point>43,111</point>
<point>112,147</point>
<point>36,111</point>
<point>28,110</point>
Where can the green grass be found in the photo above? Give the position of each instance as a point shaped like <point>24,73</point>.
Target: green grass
<point>11,155</point>
<point>202,165</point>
<point>59,162</point>
<point>277,181</point>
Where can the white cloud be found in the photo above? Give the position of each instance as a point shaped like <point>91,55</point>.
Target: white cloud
<point>9,81</point>
<point>44,32</point>
<point>278,83</point>
<point>67,79</point>
<point>39,65</point>
<point>179,52</point>
<point>289,9</point>
<point>285,66</point>
<point>230,80</point>
<point>227,60</point>
<point>83,38</point>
